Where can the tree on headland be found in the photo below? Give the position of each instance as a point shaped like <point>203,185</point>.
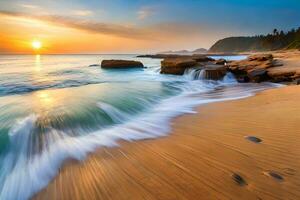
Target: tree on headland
<point>276,40</point>
<point>275,32</point>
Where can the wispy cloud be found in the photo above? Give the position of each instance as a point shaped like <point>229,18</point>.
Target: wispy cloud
<point>83,12</point>
<point>145,12</point>
<point>169,34</point>
<point>29,6</point>
<point>85,25</point>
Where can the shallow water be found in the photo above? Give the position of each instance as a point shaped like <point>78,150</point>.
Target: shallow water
<point>56,107</point>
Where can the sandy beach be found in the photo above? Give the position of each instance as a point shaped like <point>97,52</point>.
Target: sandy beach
<point>199,158</point>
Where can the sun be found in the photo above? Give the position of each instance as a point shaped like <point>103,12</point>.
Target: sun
<point>36,45</point>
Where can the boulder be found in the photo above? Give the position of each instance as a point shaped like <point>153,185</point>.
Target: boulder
<point>214,72</point>
<point>115,64</point>
<point>176,66</point>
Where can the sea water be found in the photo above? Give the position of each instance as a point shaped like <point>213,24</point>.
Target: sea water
<point>59,107</point>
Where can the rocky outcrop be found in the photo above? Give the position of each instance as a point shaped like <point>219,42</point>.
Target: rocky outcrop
<point>176,66</point>
<point>207,65</point>
<point>282,74</point>
<point>263,67</point>
<point>115,64</point>
<point>256,68</point>
<point>214,72</point>
<point>260,57</point>
<point>253,69</point>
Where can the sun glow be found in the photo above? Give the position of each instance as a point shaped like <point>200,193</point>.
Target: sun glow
<point>36,45</point>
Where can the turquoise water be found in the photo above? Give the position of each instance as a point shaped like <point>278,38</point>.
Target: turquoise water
<point>58,107</point>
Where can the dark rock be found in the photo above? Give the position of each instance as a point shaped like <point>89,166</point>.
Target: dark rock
<point>220,62</point>
<point>258,75</point>
<point>242,78</point>
<point>254,139</point>
<point>115,64</point>
<point>94,65</point>
<point>298,82</point>
<point>238,179</point>
<point>274,175</point>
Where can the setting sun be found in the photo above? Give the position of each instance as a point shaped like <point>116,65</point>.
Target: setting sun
<point>36,45</point>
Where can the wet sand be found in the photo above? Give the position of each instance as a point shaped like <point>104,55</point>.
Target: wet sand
<point>206,156</point>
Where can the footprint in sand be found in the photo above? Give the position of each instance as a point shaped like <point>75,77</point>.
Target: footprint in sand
<point>253,139</point>
<point>274,175</point>
<point>239,179</point>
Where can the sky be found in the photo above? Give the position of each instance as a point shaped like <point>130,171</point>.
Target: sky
<point>136,26</point>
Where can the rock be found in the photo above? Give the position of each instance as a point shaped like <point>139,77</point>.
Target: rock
<point>94,65</point>
<point>238,179</point>
<point>220,62</point>
<point>242,78</point>
<point>274,175</point>
<point>214,72</point>
<point>258,75</point>
<point>298,82</point>
<point>115,64</point>
<point>253,139</point>
<point>254,68</point>
<point>176,66</point>
<point>281,74</point>
<point>260,57</point>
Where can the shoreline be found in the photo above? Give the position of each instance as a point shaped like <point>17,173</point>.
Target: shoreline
<point>187,164</point>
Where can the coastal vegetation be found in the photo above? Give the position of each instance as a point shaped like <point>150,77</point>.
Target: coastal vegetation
<point>273,41</point>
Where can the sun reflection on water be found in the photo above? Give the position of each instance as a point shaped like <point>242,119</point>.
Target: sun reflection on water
<point>37,63</point>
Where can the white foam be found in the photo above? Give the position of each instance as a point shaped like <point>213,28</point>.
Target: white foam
<point>24,174</point>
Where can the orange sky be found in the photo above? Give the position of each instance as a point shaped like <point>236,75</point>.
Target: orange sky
<point>99,26</point>
<point>66,35</point>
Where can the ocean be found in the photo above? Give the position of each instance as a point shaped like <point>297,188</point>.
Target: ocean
<point>59,107</point>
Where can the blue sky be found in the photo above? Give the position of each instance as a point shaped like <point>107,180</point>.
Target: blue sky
<point>183,20</point>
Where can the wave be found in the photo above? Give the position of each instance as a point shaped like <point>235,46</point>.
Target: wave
<point>15,88</point>
<point>24,171</point>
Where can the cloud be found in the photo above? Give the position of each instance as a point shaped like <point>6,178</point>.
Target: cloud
<point>145,12</point>
<point>164,34</point>
<point>85,25</point>
<point>83,12</point>
<point>29,6</point>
